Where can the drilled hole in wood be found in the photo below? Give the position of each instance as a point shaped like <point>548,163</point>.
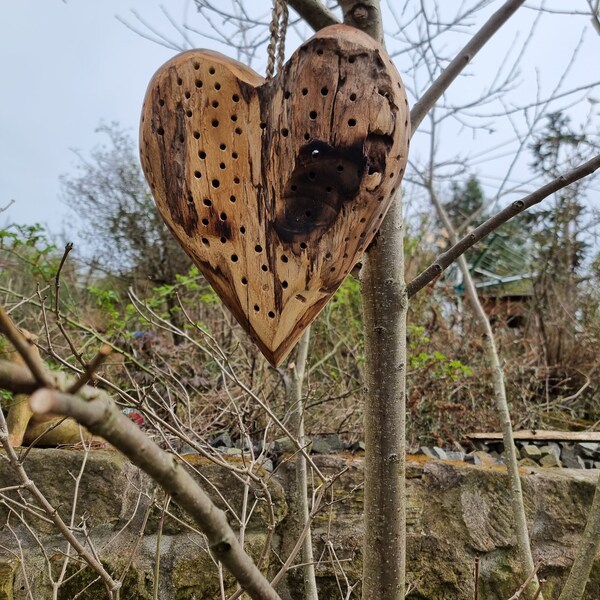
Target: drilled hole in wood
<point>207,202</point>
<point>205,242</point>
<point>236,180</point>
<point>205,221</point>
<point>223,146</point>
<point>190,199</point>
<point>285,132</point>
<point>215,122</point>
<point>304,91</point>
<point>232,198</point>
<point>329,189</point>
<point>284,258</point>
<point>352,97</point>
<point>363,234</point>
<point>160,131</point>
<point>312,114</point>
<point>187,95</point>
<point>332,269</point>
<point>234,258</point>
<point>161,102</point>
<point>196,135</point>
<point>215,183</point>
<point>242,230</point>
<point>345,256</point>
<point>294,188</point>
<point>263,125</point>
<point>235,98</point>
<point>303,245</point>
<point>307,136</point>
<point>340,168</point>
<point>234,155</point>
<point>197,174</point>
<point>217,86</point>
<point>300,298</point>
<point>188,113</point>
<point>199,83</point>
<point>320,52</point>
<point>287,95</point>
<point>244,281</point>
<point>381,198</point>
<point>284,284</point>
<point>234,118</point>
<point>222,166</point>
<point>324,91</point>
<point>181,138</point>
<point>238,130</point>
<point>271,314</point>
<point>211,70</point>
<point>256,307</point>
<point>328,256</point>
<point>264,268</point>
<point>223,216</point>
<point>223,239</point>
<point>258,248</point>
<point>196,65</point>
<point>352,59</point>
<point>392,175</point>
<point>215,104</point>
<point>308,213</point>
<point>380,216</point>
<point>363,220</point>
<point>351,122</point>
<point>179,81</point>
<point>201,154</point>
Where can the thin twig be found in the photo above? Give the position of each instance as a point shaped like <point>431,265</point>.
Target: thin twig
<point>90,369</point>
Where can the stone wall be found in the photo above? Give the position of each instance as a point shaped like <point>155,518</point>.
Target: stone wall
<point>458,514</point>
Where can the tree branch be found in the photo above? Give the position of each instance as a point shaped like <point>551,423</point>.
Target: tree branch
<point>101,417</point>
<point>462,59</point>
<point>17,378</point>
<point>444,260</point>
<point>317,15</point>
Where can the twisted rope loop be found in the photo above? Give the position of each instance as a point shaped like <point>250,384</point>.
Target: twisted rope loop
<point>278,29</point>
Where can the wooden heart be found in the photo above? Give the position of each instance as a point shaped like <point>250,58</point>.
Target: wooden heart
<point>275,188</point>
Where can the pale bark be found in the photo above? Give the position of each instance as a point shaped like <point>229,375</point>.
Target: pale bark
<point>315,13</point>
<point>384,307</point>
<point>302,505</point>
<point>510,455</point>
<point>588,550</point>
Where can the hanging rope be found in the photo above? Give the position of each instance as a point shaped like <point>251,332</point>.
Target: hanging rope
<point>278,29</point>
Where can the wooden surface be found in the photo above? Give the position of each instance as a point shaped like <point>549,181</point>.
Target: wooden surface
<point>275,189</point>
<point>541,435</point>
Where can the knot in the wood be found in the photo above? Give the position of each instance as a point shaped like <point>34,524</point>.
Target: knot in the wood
<point>360,13</point>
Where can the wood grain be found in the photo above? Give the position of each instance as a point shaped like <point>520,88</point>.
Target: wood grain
<point>541,435</point>
<point>275,189</point>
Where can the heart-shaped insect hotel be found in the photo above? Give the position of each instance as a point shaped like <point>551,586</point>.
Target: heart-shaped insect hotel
<point>275,188</point>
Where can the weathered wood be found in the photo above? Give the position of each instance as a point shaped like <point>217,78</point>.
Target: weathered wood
<point>276,188</point>
<point>542,436</point>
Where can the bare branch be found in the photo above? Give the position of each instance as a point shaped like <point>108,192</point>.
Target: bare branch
<point>462,59</point>
<point>316,14</point>
<point>24,347</point>
<point>17,378</point>
<point>102,417</point>
<point>444,260</point>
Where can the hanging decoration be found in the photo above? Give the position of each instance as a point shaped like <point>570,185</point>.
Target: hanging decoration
<point>276,187</point>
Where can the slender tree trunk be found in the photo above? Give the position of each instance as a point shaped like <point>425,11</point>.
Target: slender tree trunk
<point>385,305</point>
<point>302,504</point>
<point>489,342</point>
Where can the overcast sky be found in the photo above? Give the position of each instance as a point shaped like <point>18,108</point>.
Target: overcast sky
<point>66,66</point>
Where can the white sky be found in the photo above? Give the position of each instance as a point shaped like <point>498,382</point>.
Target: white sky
<point>65,67</point>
